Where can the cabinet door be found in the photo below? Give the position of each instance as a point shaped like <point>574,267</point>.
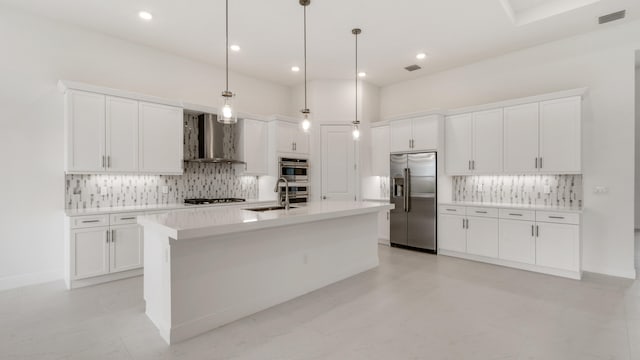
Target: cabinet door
<point>89,252</point>
<point>160,139</point>
<point>424,133</point>
<point>254,146</point>
<point>286,137</point>
<point>383,227</point>
<point>521,138</point>
<point>126,248</point>
<point>560,135</point>
<point>458,144</point>
<point>122,134</point>
<point>380,150</point>
<point>517,241</point>
<point>400,135</point>
<point>482,236</point>
<point>85,122</point>
<point>557,246</point>
<point>301,141</point>
<point>453,235</point>
<point>488,127</point>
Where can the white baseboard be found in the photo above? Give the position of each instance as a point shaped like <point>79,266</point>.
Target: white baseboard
<point>17,281</point>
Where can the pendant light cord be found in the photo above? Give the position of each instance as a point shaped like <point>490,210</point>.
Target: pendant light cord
<point>305,57</point>
<point>227,39</point>
<point>356,121</point>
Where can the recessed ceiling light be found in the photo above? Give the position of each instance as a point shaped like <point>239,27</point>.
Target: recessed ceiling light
<point>362,74</point>
<point>144,15</point>
<point>421,56</point>
<point>295,68</point>
<point>235,47</point>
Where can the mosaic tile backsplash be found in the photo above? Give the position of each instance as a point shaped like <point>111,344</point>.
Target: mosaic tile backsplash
<point>200,180</point>
<point>564,191</point>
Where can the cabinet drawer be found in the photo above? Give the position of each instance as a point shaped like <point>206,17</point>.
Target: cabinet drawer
<point>123,219</point>
<point>558,217</point>
<point>80,222</point>
<point>528,215</point>
<point>482,212</point>
<point>452,209</point>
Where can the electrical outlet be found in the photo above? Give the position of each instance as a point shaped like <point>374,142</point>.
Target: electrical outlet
<point>165,189</point>
<point>600,190</point>
<point>480,187</point>
<point>547,189</point>
<point>305,259</point>
<point>104,190</point>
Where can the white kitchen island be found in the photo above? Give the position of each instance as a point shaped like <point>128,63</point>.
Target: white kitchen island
<point>204,268</point>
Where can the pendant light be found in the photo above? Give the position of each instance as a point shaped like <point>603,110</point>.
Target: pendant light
<point>227,114</point>
<point>306,123</point>
<point>356,122</point>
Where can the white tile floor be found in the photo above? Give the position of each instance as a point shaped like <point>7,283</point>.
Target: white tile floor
<point>414,306</point>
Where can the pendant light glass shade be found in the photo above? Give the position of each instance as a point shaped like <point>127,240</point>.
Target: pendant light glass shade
<point>306,122</point>
<point>227,108</point>
<point>356,132</point>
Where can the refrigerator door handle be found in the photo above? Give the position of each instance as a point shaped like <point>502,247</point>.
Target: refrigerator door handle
<point>407,192</point>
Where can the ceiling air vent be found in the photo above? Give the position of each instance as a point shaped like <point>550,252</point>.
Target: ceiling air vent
<point>412,68</point>
<point>612,17</point>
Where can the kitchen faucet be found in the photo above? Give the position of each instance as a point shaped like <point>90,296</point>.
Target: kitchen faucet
<point>286,193</point>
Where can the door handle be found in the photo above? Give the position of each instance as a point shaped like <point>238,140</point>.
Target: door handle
<point>408,190</point>
<point>324,197</point>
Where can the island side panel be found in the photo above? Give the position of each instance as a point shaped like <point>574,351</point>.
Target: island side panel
<point>220,279</point>
<point>157,284</point>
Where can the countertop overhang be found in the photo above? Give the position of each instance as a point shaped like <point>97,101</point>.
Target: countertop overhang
<point>205,222</point>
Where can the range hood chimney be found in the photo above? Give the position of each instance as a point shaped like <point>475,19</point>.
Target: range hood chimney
<point>217,142</point>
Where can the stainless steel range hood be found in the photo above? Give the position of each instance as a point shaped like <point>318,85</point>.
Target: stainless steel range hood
<point>217,142</point>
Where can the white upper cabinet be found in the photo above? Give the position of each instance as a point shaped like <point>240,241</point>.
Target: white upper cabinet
<point>544,137</point>
<point>380,150</point>
<point>560,135</point>
<point>458,143</point>
<point>85,132</point>
<point>291,139</point>
<point>474,143</point>
<point>109,134</point>
<point>418,134</point>
<point>521,138</point>
<point>487,142</point>
<point>160,139</point>
<point>122,134</point>
<point>253,148</point>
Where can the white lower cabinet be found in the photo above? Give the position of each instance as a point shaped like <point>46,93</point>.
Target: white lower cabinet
<point>453,233</point>
<point>482,236</point>
<point>558,246</point>
<point>384,227</point>
<point>97,252</point>
<point>517,241</point>
<point>90,252</point>
<point>542,241</point>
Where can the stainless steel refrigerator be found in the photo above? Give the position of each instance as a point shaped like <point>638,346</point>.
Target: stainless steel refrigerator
<point>413,191</point>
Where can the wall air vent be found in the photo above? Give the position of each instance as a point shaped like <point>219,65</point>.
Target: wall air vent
<point>612,17</point>
<point>412,68</point>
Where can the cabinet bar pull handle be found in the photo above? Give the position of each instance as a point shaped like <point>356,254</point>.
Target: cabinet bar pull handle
<point>536,163</point>
<point>450,209</point>
<point>103,160</point>
<point>113,236</point>
<point>90,221</point>
<point>467,223</point>
<point>473,164</point>
<point>532,233</point>
<point>537,231</point>
<point>513,214</point>
<point>109,161</point>
<point>463,223</point>
<point>556,217</point>
<point>540,162</point>
<point>469,164</point>
<point>107,231</point>
<point>128,218</point>
<point>481,212</point>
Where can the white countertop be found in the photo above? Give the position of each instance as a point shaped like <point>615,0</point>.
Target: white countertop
<point>157,207</point>
<point>513,206</point>
<point>201,222</point>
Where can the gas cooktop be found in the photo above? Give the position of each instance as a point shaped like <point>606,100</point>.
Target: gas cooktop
<point>212,201</point>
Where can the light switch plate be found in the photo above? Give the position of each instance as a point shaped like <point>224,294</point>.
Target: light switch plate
<point>104,190</point>
<point>165,189</point>
<point>600,190</point>
<point>547,189</point>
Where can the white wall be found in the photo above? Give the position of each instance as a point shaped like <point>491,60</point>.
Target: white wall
<point>36,53</point>
<point>603,61</point>
<point>637,172</point>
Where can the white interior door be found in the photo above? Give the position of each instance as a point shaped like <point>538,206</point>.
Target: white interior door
<point>338,163</point>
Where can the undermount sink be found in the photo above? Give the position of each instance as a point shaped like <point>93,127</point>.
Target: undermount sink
<point>270,208</point>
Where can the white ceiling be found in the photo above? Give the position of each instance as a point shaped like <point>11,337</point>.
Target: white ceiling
<point>452,32</point>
